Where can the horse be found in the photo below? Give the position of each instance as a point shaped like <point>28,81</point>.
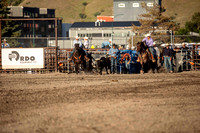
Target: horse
<point>79,58</point>
<point>145,59</point>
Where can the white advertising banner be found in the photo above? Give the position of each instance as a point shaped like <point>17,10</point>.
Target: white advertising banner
<point>17,58</point>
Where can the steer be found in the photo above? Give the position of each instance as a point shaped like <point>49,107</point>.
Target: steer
<point>103,62</point>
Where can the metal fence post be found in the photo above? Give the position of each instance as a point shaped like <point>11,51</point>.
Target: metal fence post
<point>68,61</point>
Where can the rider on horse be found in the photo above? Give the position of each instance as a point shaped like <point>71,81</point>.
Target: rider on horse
<point>77,43</point>
<point>149,43</point>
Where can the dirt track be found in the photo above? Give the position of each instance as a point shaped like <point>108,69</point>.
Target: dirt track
<point>94,103</point>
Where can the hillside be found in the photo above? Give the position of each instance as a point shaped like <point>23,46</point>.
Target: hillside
<point>69,10</point>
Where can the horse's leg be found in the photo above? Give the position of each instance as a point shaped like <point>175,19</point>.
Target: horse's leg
<point>101,70</point>
<point>142,68</point>
<point>76,68</point>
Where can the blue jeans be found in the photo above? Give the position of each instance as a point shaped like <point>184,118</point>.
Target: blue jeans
<point>152,50</point>
<point>113,65</point>
<point>168,64</point>
<point>72,53</point>
<point>127,66</point>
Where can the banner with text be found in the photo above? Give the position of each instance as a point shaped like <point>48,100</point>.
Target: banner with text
<point>17,58</point>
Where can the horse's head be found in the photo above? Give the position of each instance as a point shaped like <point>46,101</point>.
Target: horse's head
<point>140,46</point>
<point>77,46</point>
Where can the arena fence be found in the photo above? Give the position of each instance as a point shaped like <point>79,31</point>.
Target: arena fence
<point>56,59</point>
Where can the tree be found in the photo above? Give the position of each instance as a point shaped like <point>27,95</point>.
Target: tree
<point>9,28</point>
<point>154,20</point>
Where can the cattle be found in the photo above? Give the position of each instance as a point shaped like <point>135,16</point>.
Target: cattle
<point>103,62</point>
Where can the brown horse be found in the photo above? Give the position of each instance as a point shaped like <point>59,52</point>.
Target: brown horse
<point>145,59</point>
<point>79,58</point>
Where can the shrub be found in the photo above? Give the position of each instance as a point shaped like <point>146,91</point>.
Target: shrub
<point>82,15</point>
<point>84,3</point>
<point>96,14</point>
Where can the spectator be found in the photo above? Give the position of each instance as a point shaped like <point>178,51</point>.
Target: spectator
<point>167,57</point>
<point>106,44</point>
<point>149,43</point>
<point>4,44</point>
<point>184,48</point>
<point>113,53</point>
<point>86,42</point>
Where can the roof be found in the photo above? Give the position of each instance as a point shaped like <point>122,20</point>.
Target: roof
<point>105,24</point>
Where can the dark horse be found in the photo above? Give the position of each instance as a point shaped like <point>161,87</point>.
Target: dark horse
<point>79,58</point>
<point>145,58</point>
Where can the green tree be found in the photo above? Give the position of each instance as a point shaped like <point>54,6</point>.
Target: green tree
<point>194,24</point>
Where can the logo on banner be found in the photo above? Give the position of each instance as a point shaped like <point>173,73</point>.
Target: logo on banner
<point>23,59</point>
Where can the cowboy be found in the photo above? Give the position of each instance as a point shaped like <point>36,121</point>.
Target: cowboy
<point>126,59</point>
<point>5,44</point>
<point>86,42</point>
<point>167,57</point>
<point>76,42</point>
<point>149,43</point>
<point>113,53</point>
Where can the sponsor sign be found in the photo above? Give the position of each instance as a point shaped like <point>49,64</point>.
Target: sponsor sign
<point>16,58</point>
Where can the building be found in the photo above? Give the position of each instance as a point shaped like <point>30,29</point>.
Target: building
<point>100,31</point>
<point>105,18</point>
<point>129,10</point>
<point>36,28</point>
<point>65,29</point>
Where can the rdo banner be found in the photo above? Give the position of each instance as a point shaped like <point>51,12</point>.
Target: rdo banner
<point>17,58</point>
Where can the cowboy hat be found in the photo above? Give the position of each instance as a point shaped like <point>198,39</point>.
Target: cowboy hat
<point>147,35</point>
<point>167,44</point>
<point>77,37</point>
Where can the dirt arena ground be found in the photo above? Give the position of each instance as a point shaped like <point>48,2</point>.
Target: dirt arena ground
<point>69,103</point>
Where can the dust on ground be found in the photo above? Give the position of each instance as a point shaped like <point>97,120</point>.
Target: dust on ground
<point>69,103</point>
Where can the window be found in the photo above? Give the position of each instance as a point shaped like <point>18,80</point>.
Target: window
<point>121,5</point>
<point>96,34</point>
<point>136,5</point>
<point>150,4</point>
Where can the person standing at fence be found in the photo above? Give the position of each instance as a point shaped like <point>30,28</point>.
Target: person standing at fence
<point>157,51</point>
<point>106,44</point>
<point>86,42</point>
<point>127,60</point>
<point>113,53</point>
<point>4,44</point>
<point>167,57</point>
<point>185,56</point>
<point>149,43</point>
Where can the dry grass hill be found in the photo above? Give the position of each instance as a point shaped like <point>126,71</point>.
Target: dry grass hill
<point>69,10</point>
